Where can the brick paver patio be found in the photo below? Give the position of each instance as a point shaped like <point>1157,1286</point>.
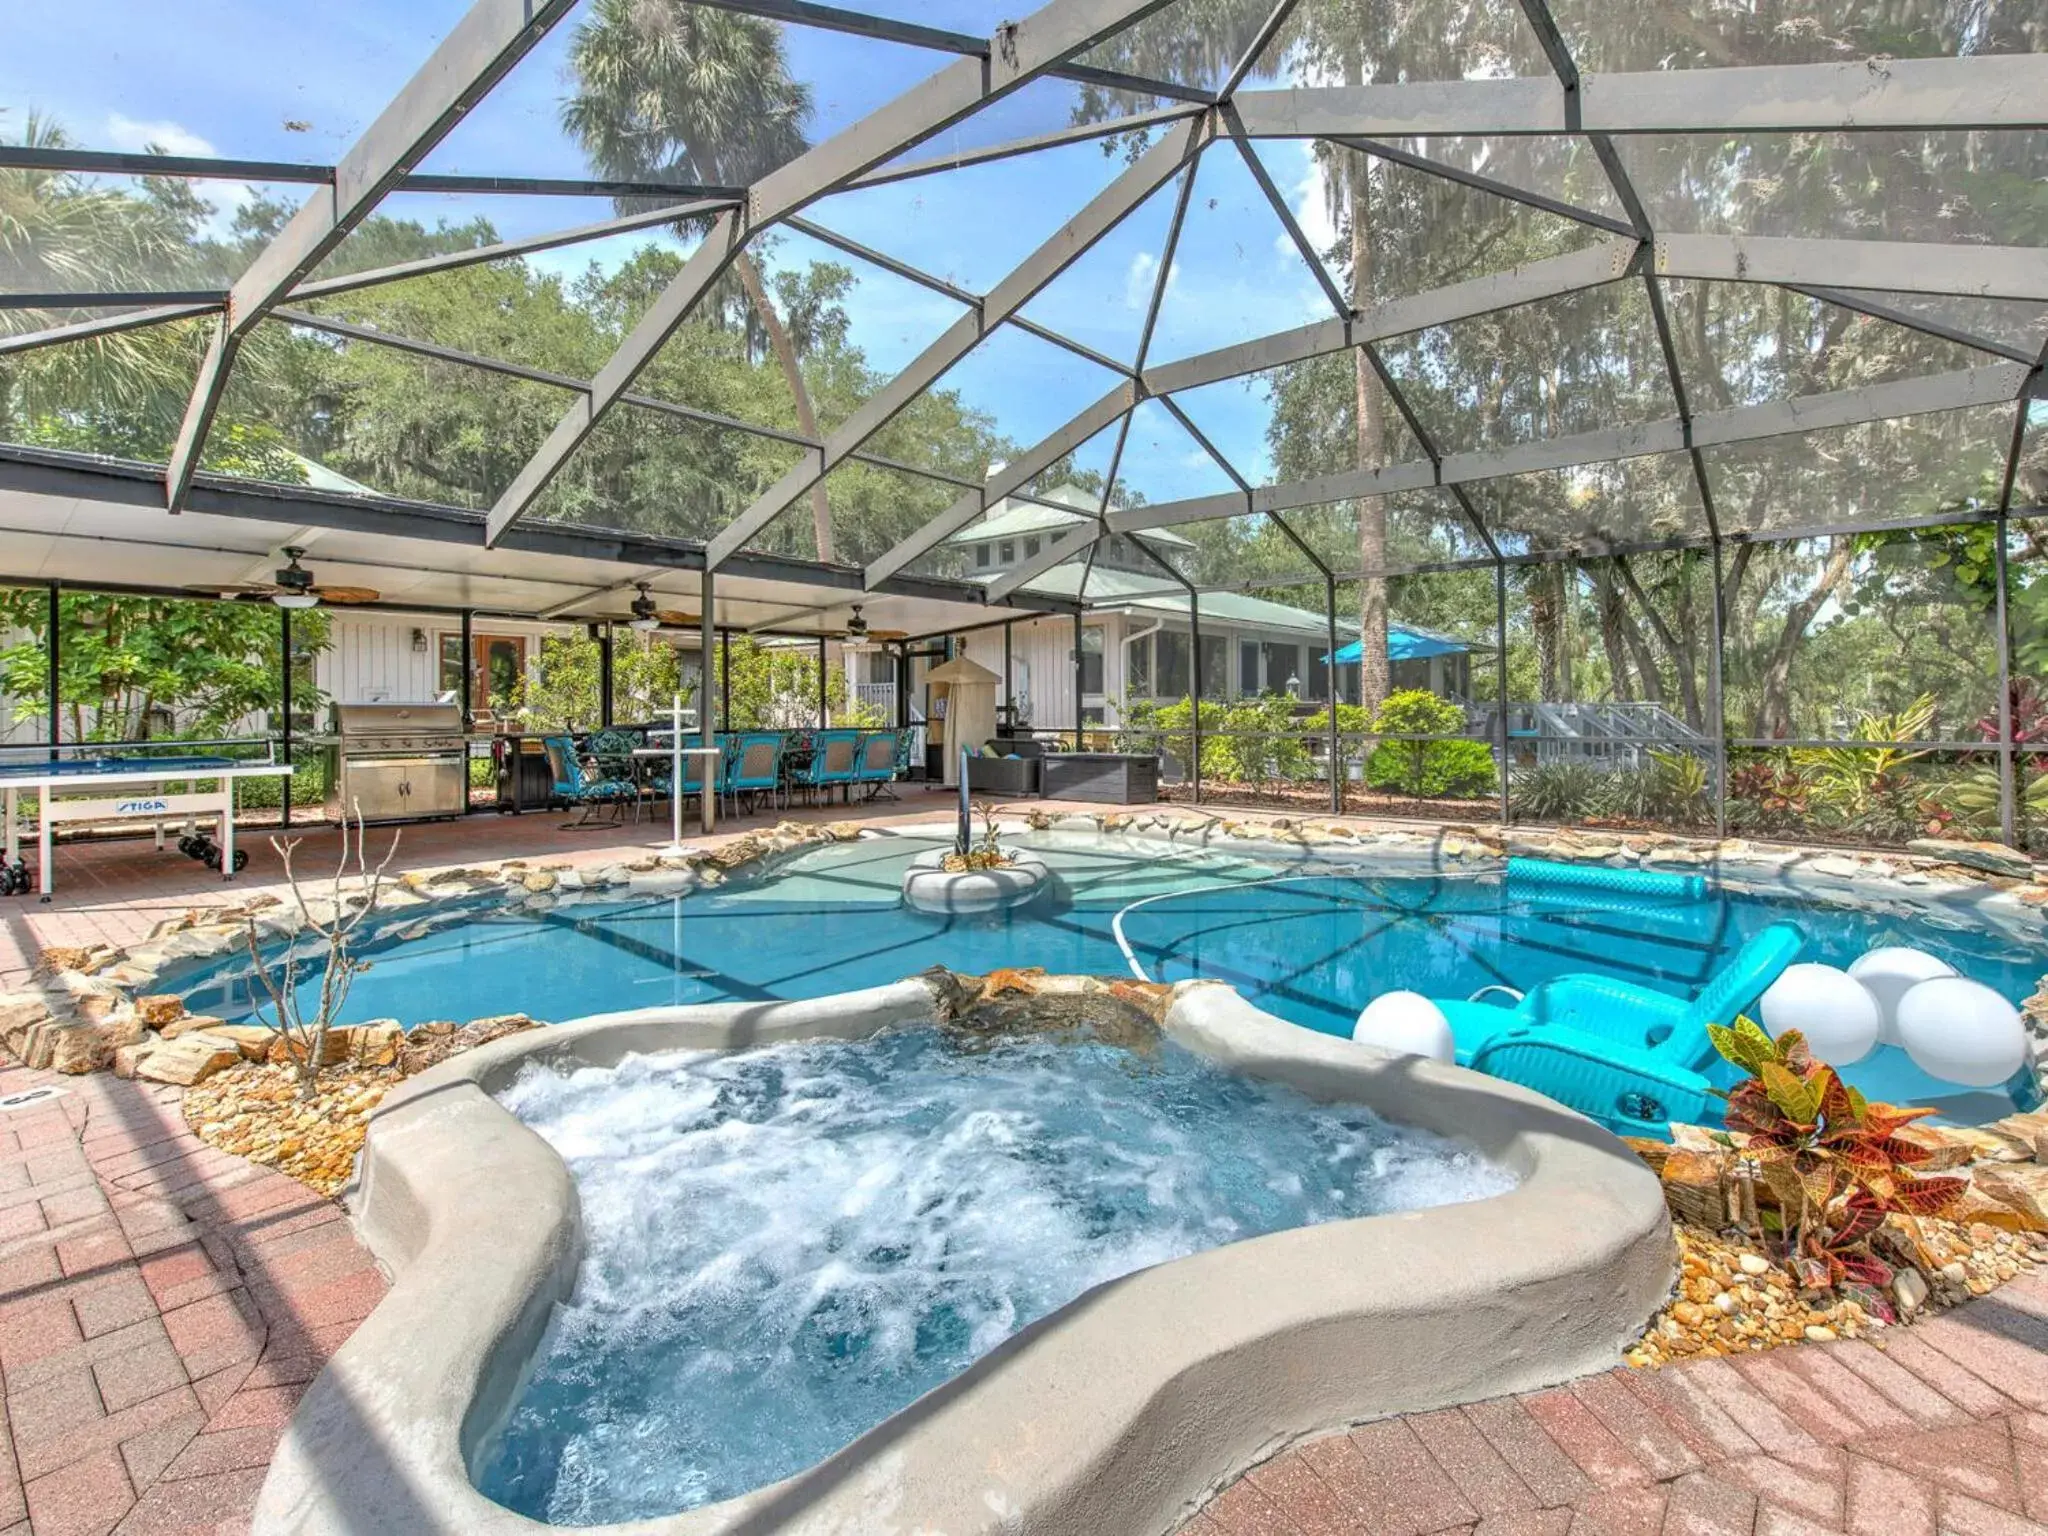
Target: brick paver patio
<point>1942,1427</point>
<point>162,1306</point>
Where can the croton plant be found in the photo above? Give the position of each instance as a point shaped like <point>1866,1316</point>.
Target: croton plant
<point>1831,1158</point>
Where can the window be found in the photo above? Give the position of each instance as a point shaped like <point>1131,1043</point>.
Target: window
<point>1008,555</point>
<point>1316,686</point>
<point>1248,668</point>
<point>1030,548</point>
<point>1215,666</point>
<point>981,555</point>
<point>496,665</point>
<point>1173,663</point>
<point>1091,659</point>
<point>1282,662</point>
<point>1138,668</point>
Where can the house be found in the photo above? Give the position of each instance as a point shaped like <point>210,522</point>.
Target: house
<point>1137,644</point>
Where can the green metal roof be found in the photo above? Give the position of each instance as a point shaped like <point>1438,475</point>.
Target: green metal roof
<point>1010,518</point>
<point>1134,592</point>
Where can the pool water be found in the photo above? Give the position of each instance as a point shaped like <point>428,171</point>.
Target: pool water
<point>1305,940</point>
<point>788,1244</point>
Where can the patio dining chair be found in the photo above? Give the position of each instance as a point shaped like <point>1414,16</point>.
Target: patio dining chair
<point>602,800</point>
<point>611,751</point>
<point>753,762</point>
<point>874,764</point>
<point>831,763</point>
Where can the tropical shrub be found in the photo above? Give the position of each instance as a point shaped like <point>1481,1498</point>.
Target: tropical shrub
<point>1557,792</point>
<point>1671,787</point>
<point>1846,783</point>
<point>1768,794</point>
<point>1251,741</point>
<point>1450,770</point>
<point>1830,1159</point>
<point>1426,768</point>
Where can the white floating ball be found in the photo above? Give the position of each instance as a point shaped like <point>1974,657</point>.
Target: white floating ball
<point>1888,973</point>
<point>1831,1008</point>
<point>1407,1024</point>
<point>1962,1032</point>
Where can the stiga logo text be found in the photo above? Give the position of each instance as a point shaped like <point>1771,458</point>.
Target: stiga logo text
<point>140,807</point>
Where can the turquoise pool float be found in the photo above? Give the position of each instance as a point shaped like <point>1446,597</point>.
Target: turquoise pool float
<point>1656,884</point>
<point>1631,1057</point>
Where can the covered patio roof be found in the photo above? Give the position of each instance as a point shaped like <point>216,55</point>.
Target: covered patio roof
<point>101,525</point>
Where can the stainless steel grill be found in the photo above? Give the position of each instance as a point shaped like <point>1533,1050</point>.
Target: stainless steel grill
<point>401,762</point>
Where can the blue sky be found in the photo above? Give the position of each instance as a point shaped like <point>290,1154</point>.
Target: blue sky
<point>300,82</point>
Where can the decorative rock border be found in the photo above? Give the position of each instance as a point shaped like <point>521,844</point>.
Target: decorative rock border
<point>1114,1414</point>
<point>929,887</point>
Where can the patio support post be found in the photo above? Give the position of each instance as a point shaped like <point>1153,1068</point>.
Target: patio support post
<point>1195,688</point>
<point>1500,677</point>
<point>1077,679</point>
<point>53,649</point>
<point>1330,682</point>
<point>724,677</point>
<point>1718,615</point>
<point>824,714</point>
<point>604,672</point>
<point>284,651</point>
<point>707,728</point>
<point>468,684</point>
<point>2008,797</point>
<point>1009,698</point>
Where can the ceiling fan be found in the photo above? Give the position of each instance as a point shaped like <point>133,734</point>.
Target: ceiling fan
<point>859,634</point>
<point>293,588</point>
<point>646,614</point>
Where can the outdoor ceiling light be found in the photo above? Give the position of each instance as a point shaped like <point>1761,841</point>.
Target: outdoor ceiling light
<point>294,583</point>
<point>644,615</point>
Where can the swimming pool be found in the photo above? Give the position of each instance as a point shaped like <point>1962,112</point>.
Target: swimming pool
<point>1308,939</point>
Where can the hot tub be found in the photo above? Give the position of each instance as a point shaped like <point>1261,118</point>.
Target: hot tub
<point>1173,1365</point>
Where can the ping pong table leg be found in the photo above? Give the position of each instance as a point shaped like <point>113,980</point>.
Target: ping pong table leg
<point>13,827</point>
<point>45,876</point>
<point>227,829</point>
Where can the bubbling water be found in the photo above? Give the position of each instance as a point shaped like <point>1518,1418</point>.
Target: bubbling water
<point>787,1244</point>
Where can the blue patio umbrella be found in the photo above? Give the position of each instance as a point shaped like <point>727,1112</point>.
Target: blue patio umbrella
<point>1405,645</point>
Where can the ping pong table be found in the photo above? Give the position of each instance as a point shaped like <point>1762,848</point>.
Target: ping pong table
<point>149,789</point>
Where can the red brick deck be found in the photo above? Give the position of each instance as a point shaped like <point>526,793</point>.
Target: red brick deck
<point>162,1306</point>
<point>1941,1428</point>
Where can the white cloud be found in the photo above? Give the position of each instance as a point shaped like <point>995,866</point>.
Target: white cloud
<point>172,138</point>
<point>1311,204</point>
<point>1139,279</point>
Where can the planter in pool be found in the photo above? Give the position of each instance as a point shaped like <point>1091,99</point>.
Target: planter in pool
<point>1115,1413</point>
<point>928,888</point>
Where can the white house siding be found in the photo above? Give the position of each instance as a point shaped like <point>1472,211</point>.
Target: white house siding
<point>1042,666</point>
<point>370,657</point>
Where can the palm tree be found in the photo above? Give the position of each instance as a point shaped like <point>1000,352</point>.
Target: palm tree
<point>61,233</point>
<point>667,90</point>
<point>1357,42</point>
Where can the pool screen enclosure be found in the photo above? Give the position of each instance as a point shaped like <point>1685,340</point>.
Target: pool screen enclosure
<point>1684,369</point>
